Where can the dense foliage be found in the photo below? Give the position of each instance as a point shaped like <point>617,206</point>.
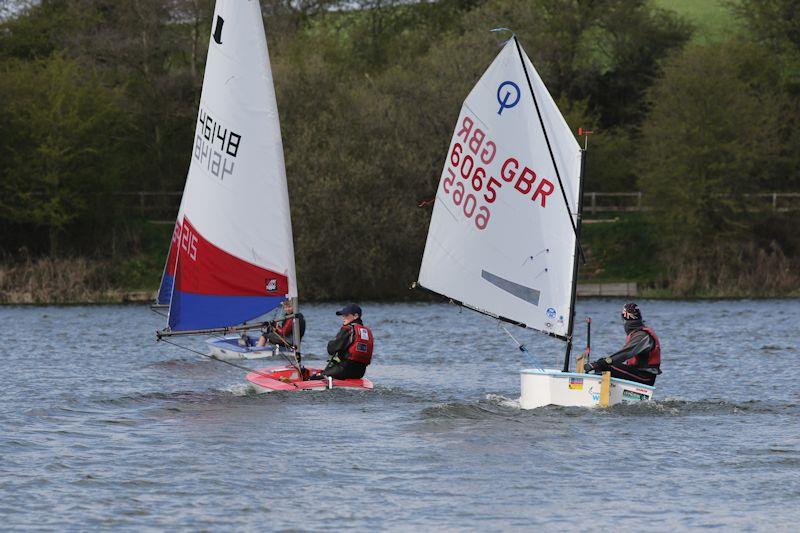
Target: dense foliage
<point>100,96</point>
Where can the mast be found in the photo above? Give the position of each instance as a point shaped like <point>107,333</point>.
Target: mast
<point>549,147</point>
<point>571,322</point>
<point>576,225</point>
<point>296,335</point>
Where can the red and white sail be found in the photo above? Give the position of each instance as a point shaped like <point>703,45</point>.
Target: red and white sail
<point>235,257</point>
<point>501,239</point>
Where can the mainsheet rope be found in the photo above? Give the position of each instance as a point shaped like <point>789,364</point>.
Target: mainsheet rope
<point>214,358</point>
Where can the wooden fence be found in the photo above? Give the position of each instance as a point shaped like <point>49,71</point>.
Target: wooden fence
<point>615,202</point>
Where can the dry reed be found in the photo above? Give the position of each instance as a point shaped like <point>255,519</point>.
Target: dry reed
<point>59,281</point>
<point>734,270</point>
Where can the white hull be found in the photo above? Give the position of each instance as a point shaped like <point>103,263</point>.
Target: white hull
<point>229,349</point>
<point>569,389</point>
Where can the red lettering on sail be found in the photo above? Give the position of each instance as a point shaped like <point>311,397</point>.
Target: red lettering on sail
<point>540,191</point>
<point>477,140</point>
<point>489,151</point>
<point>212,270</point>
<point>466,127</point>
<point>525,181</point>
<point>471,156</point>
<point>509,170</point>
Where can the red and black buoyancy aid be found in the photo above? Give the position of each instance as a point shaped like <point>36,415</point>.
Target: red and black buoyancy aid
<point>651,359</point>
<point>360,349</point>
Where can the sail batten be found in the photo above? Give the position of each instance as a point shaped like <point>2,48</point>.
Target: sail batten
<point>234,252</point>
<point>502,239</point>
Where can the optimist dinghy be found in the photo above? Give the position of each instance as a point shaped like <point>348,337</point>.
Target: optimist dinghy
<point>287,378</point>
<point>505,229</point>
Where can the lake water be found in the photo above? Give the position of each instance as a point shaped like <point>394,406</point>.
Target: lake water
<point>102,427</point>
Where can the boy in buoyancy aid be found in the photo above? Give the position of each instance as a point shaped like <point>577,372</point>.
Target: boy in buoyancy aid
<point>283,335</point>
<point>640,359</point>
<point>351,349</point>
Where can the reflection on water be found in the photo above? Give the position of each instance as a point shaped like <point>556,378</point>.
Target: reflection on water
<point>102,427</point>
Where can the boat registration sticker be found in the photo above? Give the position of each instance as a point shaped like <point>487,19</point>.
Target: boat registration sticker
<point>633,396</point>
<point>576,383</point>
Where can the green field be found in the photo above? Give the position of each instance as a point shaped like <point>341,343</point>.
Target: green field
<point>712,18</point>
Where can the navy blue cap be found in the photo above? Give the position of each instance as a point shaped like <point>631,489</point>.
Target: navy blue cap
<point>349,309</point>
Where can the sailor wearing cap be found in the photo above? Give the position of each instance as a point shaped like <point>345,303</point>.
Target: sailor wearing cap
<point>351,349</point>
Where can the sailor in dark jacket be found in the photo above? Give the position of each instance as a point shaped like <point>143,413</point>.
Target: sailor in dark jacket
<point>640,359</point>
<point>351,349</point>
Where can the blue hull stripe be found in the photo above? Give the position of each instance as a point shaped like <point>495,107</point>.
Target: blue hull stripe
<point>206,311</point>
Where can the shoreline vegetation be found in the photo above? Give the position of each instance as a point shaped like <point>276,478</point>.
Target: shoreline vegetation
<point>77,281</point>
<point>694,105</point>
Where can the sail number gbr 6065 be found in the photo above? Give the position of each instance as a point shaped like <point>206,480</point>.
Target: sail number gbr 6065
<point>473,189</point>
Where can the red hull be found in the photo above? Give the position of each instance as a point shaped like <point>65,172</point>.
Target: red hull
<point>287,378</point>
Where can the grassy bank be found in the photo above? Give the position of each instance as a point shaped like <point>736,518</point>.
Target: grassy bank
<point>713,20</point>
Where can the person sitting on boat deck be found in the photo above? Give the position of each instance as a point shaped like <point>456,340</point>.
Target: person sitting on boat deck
<point>640,359</point>
<point>283,335</point>
<point>351,349</point>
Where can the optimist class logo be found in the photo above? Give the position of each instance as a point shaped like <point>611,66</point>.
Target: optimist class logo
<point>503,96</point>
<point>272,284</point>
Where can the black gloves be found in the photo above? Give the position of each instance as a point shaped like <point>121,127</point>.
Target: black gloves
<point>601,365</point>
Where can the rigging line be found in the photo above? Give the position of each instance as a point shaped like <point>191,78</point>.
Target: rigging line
<point>297,356</point>
<point>550,149</point>
<point>522,348</point>
<point>249,370</point>
<point>156,311</point>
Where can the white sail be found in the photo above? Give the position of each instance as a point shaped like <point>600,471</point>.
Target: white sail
<point>236,257</point>
<point>501,239</point>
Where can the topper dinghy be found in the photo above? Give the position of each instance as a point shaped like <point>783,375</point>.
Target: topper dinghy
<point>242,347</point>
<point>229,263</point>
<point>504,233</point>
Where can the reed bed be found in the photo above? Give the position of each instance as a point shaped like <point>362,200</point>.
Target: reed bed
<point>60,281</point>
<point>734,270</point>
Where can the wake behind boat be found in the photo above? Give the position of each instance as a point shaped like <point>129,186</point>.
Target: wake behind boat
<point>505,230</point>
